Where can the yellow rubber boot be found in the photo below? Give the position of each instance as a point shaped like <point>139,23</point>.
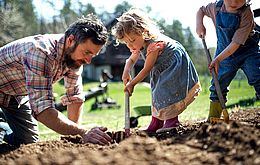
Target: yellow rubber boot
<point>215,109</point>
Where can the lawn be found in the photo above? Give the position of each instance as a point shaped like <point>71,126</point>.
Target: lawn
<point>114,118</point>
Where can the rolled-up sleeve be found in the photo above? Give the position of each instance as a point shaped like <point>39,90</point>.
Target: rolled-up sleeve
<point>74,87</point>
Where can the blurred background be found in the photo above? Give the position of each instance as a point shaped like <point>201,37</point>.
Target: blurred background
<point>20,18</point>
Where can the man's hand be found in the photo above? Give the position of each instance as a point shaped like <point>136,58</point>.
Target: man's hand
<point>97,135</point>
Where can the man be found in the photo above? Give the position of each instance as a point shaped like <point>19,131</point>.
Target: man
<point>30,66</point>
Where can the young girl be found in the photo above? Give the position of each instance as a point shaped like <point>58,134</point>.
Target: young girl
<point>174,80</point>
<point>237,46</point>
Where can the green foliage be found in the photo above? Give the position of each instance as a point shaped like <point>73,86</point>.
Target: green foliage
<point>89,9</point>
<point>67,13</point>
<point>123,7</point>
<point>12,25</point>
<point>189,42</point>
<point>17,20</point>
<point>26,8</point>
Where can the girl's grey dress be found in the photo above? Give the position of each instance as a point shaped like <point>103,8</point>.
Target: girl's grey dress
<point>174,79</point>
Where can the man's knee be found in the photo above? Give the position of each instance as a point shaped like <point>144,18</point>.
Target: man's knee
<point>15,140</point>
<point>29,139</point>
<point>17,137</point>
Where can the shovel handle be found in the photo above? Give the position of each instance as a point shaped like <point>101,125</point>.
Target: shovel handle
<point>127,114</point>
<point>215,78</point>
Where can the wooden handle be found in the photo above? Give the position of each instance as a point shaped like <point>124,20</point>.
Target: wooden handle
<point>215,78</point>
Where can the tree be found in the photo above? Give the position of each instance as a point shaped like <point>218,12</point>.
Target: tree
<point>190,42</point>
<point>26,9</point>
<point>123,7</point>
<point>174,31</point>
<point>88,9</point>
<point>12,24</point>
<point>67,14</point>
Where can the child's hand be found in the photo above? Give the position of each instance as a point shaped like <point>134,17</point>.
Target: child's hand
<point>129,88</point>
<point>201,30</point>
<point>126,77</point>
<point>214,64</point>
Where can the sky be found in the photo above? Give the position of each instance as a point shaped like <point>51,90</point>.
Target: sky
<point>182,10</point>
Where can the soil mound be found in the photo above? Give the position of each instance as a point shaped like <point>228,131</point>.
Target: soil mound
<point>191,143</point>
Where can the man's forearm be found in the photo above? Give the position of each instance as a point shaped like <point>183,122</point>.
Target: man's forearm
<point>74,112</point>
<point>56,121</point>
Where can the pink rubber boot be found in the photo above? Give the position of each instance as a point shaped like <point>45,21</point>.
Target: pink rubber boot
<point>154,125</point>
<point>169,125</point>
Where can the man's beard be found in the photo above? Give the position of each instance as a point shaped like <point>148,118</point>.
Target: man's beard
<point>70,63</point>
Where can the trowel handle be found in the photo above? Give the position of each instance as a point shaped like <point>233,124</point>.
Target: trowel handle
<point>127,114</point>
<point>214,75</point>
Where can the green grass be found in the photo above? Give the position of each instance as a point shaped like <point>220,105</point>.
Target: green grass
<point>114,118</point>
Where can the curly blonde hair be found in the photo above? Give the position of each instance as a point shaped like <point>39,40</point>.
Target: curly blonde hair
<point>135,21</point>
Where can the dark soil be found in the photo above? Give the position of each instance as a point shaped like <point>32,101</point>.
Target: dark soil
<point>236,143</point>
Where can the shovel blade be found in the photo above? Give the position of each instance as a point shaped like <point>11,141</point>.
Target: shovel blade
<point>215,120</point>
<point>225,115</point>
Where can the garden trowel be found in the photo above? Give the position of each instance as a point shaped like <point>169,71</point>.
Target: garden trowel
<point>217,86</point>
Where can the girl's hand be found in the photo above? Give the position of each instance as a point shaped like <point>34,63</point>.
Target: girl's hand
<point>215,65</point>
<point>126,77</point>
<point>129,88</point>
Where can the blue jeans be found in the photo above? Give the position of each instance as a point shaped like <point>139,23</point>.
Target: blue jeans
<point>250,64</point>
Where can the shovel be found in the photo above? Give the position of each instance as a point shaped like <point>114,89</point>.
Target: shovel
<point>127,115</point>
<point>121,135</point>
<point>217,86</point>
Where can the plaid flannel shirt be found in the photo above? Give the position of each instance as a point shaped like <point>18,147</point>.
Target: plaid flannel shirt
<point>30,66</point>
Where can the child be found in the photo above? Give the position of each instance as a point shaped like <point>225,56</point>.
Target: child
<point>174,79</point>
<point>237,46</point>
